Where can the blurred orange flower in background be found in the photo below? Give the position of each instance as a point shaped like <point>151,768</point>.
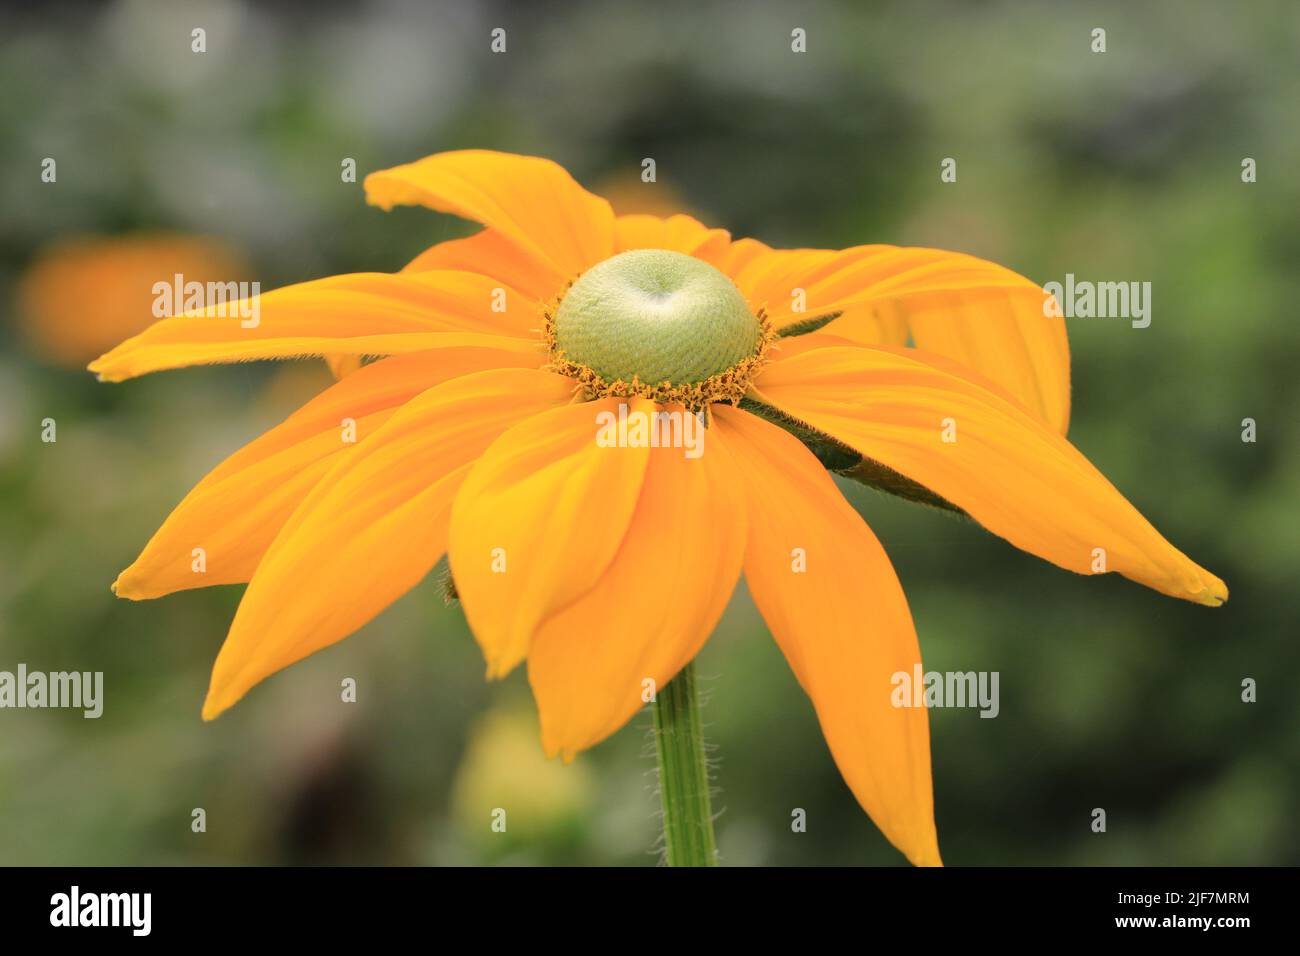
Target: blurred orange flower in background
<point>82,296</point>
<point>630,195</point>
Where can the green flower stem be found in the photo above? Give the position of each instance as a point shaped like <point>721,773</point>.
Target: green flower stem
<point>684,774</point>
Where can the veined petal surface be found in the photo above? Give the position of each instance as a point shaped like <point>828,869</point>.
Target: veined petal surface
<point>655,605</point>
<point>372,527</point>
<point>538,521</point>
<point>984,454</point>
<point>356,314</point>
<point>834,605</point>
<point>969,309</point>
<point>235,512</point>
<point>530,201</point>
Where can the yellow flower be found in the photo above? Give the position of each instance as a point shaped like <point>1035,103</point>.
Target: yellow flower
<point>605,567</point>
<point>504,772</point>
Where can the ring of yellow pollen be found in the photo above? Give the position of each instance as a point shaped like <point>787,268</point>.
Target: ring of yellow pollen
<point>660,325</point>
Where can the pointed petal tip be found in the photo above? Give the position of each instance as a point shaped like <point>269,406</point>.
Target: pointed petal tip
<point>924,851</point>
<point>499,667</point>
<point>501,661</point>
<point>553,747</point>
<point>98,367</point>
<point>106,367</point>
<point>220,700</point>
<point>127,587</point>
<point>1215,594</point>
<point>103,374</point>
<point>1201,587</point>
<point>382,202</point>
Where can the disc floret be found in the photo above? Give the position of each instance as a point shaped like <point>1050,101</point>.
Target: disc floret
<point>659,325</point>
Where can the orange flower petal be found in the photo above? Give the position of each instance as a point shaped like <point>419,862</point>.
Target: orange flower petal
<point>865,325</point>
<point>341,366</point>
<point>489,253</point>
<point>538,521</point>
<point>676,234</point>
<point>235,512</point>
<point>1014,476</point>
<point>842,623</point>
<point>739,255</point>
<point>653,608</point>
<point>1002,334</point>
<point>372,528</point>
<point>784,348</point>
<point>358,314</point>
<point>979,313</point>
<point>532,202</point>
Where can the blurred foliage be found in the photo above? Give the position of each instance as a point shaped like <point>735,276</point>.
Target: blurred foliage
<point>1123,165</point>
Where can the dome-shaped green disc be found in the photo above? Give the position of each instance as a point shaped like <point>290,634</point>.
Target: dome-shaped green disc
<point>658,315</point>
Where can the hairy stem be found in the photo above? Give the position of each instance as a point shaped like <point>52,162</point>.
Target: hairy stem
<point>684,774</point>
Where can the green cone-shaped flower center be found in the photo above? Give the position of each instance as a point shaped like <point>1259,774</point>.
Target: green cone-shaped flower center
<point>659,316</point>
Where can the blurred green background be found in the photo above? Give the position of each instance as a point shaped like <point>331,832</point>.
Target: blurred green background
<point>1122,166</point>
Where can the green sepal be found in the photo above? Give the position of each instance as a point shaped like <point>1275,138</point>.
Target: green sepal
<point>840,459</point>
<point>804,326</point>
